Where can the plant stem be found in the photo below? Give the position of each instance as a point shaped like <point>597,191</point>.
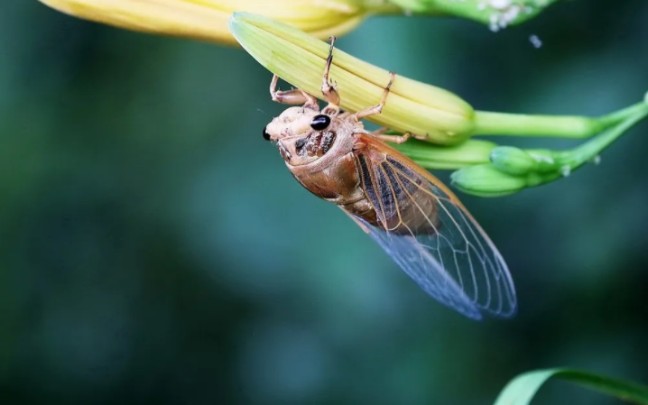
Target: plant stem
<point>562,126</point>
<point>494,123</point>
<point>512,169</point>
<point>589,150</point>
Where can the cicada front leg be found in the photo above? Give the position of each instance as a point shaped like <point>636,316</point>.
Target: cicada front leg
<point>392,138</point>
<point>292,97</point>
<point>377,109</point>
<point>328,88</point>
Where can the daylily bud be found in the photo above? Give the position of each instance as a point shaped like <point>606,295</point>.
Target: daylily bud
<point>487,181</point>
<point>207,19</point>
<point>470,152</point>
<point>299,59</point>
<point>511,160</point>
<point>519,162</point>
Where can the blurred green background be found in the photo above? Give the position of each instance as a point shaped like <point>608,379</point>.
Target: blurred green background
<point>154,249</point>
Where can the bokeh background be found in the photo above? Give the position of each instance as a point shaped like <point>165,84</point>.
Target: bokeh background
<point>154,249</point>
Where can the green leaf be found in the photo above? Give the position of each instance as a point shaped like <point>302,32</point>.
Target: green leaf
<point>522,389</point>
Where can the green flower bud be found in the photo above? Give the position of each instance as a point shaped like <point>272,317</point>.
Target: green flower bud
<point>511,160</point>
<point>487,181</point>
<point>470,152</point>
<point>546,161</point>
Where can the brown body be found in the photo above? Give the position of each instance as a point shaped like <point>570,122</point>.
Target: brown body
<point>334,176</point>
<point>329,164</point>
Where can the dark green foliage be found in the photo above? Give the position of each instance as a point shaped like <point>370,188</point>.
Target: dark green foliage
<point>154,249</point>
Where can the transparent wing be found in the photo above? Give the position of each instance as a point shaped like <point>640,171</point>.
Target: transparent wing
<point>430,235</point>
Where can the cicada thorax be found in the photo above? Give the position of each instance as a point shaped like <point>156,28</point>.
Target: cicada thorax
<point>343,167</point>
<point>324,162</point>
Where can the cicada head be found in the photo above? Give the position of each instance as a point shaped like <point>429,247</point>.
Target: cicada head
<point>303,134</point>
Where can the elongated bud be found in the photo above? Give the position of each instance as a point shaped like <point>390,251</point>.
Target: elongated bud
<point>299,59</point>
<point>487,181</point>
<point>511,160</point>
<point>207,19</point>
<point>470,152</point>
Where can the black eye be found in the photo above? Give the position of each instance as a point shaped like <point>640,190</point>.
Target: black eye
<point>266,135</point>
<point>320,122</point>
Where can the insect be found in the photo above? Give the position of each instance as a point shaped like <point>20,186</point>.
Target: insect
<point>417,220</point>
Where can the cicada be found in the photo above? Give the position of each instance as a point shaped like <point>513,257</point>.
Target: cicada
<point>416,219</point>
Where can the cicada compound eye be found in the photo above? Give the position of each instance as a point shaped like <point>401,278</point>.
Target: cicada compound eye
<point>266,135</point>
<point>320,122</point>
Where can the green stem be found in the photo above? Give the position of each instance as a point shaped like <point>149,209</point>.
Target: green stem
<point>621,115</point>
<point>512,169</point>
<point>591,149</point>
<point>542,165</point>
<point>490,123</point>
<point>562,126</point>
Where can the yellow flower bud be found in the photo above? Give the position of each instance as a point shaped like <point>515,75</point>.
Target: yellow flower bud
<point>298,58</point>
<point>207,19</point>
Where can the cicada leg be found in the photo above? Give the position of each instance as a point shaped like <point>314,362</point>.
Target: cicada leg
<point>377,109</point>
<point>293,97</point>
<point>392,138</point>
<point>328,88</point>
